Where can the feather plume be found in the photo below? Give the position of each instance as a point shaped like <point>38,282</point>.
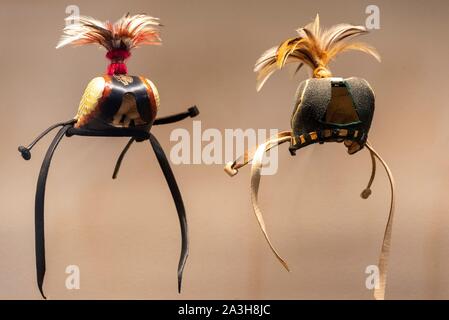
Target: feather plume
<point>314,47</point>
<point>127,33</point>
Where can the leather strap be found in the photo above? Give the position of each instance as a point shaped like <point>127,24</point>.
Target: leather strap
<point>256,169</point>
<point>367,191</point>
<point>231,168</point>
<point>379,291</point>
<point>121,156</point>
<point>176,194</point>
<point>256,156</point>
<point>39,209</point>
<point>26,151</point>
<point>191,112</point>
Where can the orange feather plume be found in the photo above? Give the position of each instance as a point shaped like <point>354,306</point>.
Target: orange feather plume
<point>313,47</point>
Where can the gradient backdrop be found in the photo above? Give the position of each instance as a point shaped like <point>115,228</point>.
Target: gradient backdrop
<point>124,234</point>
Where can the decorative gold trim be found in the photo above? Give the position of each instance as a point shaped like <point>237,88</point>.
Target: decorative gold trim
<point>294,141</point>
<point>124,79</point>
<point>155,93</point>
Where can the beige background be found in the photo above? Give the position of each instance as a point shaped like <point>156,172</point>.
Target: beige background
<point>124,234</point>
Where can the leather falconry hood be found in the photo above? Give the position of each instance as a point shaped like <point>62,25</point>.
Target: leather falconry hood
<point>326,109</point>
<point>113,105</point>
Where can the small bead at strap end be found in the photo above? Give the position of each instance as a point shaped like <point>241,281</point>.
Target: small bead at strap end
<point>229,169</point>
<point>26,154</point>
<point>365,193</point>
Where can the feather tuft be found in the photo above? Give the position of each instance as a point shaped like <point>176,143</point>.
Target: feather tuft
<point>314,47</point>
<point>127,33</point>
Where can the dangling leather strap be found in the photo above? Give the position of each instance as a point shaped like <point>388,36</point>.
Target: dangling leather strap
<point>256,155</point>
<point>39,209</point>
<point>191,112</point>
<point>26,151</point>
<point>379,291</point>
<point>176,194</point>
<point>232,167</point>
<point>121,156</point>
<point>367,191</point>
<point>255,181</point>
